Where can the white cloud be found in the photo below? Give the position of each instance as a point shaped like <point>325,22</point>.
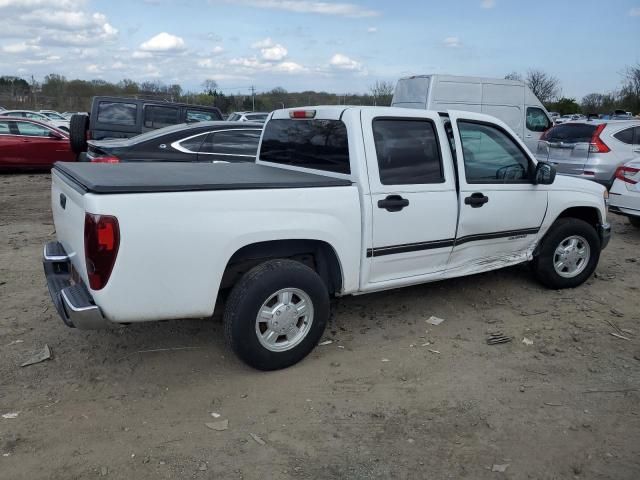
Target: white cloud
<point>290,67</point>
<point>342,62</point>
<point>20,47</point>
<point>163,42</point>
<point>488,3</point>
<point>118,66</point>
<point>452,42</point>
<point>94,68</point>
<point>217,50</point>
<point>138,54</point>
<point>634,12</point>
<point>372,30</point>
<point>307,6</point>
<point>270,51</point>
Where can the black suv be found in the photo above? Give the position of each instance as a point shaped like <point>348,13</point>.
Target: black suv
<point>118,117</point>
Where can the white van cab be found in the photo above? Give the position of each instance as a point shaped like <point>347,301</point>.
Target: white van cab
<point>509,100</point>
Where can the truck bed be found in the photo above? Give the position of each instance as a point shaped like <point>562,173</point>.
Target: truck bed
<point>184,177</point>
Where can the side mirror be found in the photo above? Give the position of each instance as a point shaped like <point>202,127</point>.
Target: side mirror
<point>545,174</point>
<point>55,136</point>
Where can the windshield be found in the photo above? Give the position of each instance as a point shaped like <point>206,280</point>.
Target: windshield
<point>54,116</point>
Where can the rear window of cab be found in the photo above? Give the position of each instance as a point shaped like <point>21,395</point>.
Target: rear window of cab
<point>317,144</point>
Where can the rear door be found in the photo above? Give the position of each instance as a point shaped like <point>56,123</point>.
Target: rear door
<point>39,148</point>
<point>566,146</point>
<point>412,194</point>
<point>500,209</point>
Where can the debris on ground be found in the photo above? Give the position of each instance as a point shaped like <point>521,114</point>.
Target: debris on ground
<point>617,313</point>
<point>257,438</point>
<point>435,320</point>
<point>11,415</point>
<point>202,467</point>
<point>41,356</point>
<point>104,471</point>
<point>326,342</point>
<point>497,338</point>
<point>617,335</point>
<point>434,351</point>
<point>500,467</point>
<point>384,360</point>
<point>527,341</point>
<point>218,426</point>
<point>215,415</point>
<point>15,342</point>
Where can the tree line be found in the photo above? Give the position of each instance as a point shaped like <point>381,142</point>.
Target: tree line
<point>56,92</point>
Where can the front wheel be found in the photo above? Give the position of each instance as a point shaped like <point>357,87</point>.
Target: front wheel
<point>635,221</point>
<point>568,255</point>
<point>276,314</point>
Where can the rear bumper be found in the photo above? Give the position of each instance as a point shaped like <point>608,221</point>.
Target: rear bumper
<point>604,231</point>
<point>73,301</point>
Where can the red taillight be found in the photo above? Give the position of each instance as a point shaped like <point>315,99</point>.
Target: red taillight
<point>597,145</point>
<point>302,113</point>
<point>105,160</point>
<point>101,243</point>
<point>624,173</point>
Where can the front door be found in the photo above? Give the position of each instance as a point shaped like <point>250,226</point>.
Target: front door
<point>500,209</point>
<point>413,196</point>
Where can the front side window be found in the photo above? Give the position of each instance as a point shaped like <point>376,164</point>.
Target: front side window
<point>232,142</point>
<point>117,113</point>
<point>4,128</point>
<point>32,130</point>
<point>316,144</point>
<point>158,117</point>
<point>408,152</point>
<point>491,156</point>
<point>537,120</point>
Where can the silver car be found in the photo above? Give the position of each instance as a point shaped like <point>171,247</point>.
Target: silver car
<point>590,149</point>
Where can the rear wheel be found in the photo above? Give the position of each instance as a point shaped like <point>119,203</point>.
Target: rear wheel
<point>568,255</point>
<point>78,126</point>
<point>276,314</point>
<point>635,221</point>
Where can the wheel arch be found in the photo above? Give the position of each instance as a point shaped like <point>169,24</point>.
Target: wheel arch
<point>589,214</point>
<point>317,254</point>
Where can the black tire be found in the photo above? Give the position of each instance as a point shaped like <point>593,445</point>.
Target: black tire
<point>635,221</point>
<point>543,264</point>
<point>78,126</point>
<point>247,297</point>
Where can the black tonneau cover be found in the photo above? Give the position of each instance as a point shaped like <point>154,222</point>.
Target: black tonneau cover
<point>145,177</point>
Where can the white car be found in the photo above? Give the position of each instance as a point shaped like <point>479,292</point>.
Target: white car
<point>61,123</point>
<point>624,196</point>
<point>341,201</point>
<point>259,117</point>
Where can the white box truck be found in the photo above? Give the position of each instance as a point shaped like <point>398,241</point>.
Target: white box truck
<point>509,100</point>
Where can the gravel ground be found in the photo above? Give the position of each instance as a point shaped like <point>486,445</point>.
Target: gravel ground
<point>391,397</point>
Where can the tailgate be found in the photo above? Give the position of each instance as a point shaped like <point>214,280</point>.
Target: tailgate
<point>567,147</point>
<point>67,206</point>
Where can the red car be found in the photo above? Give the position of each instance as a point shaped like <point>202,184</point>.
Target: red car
<point>26,143</point>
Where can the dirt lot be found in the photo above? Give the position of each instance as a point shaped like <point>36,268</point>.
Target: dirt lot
<point>376,403</point>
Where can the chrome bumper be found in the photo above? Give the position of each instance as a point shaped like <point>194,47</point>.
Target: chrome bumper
<point>73,301</point>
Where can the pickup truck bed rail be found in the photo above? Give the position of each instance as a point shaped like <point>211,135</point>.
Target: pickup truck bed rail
<point>184,177</point>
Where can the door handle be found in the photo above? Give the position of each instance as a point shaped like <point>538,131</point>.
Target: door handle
<point>393,203</point>
<point>528,136</point>
<point>476,200</point>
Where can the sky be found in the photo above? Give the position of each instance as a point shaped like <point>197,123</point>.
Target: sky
<point>335,46</point>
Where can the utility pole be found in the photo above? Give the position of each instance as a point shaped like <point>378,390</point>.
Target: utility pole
<point>253,98</point>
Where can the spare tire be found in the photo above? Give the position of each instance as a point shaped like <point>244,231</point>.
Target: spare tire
<point>78,126</point>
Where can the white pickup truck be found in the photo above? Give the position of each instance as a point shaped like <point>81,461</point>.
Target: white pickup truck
<point>341,201</point>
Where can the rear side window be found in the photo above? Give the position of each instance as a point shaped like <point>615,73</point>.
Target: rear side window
<point>537,120</point>
<point>625,136</point>
<point>158,117</point>
<point>232,142</point>
<point>32,130</point>
<point>316,144</point>
<point>571,133</point>
<point>408,152</point>
<point>256,118</point>
<point>201,116</point>
<point>193,144</point>
<point>117,113</point>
